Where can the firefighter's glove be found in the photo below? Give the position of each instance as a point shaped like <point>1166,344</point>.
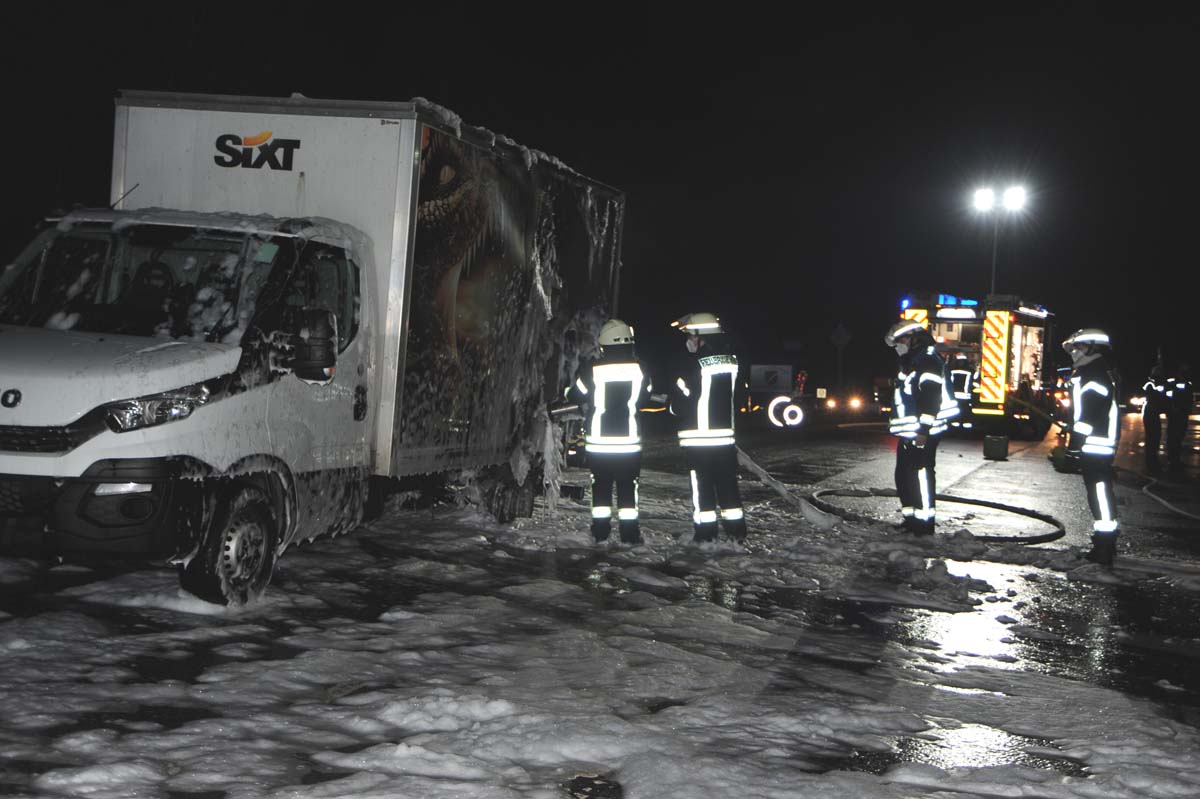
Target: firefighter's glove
<point>920,441</point>
<point>1075,443</point>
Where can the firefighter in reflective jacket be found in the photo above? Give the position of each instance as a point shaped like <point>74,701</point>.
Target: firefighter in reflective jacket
<point>1180,394</point>
<point>611,391</point>
<point>962,383</point>
<point>921,410</point>
<point>1094,433</point>
<point>703,399</point>
<point>1155,389</point>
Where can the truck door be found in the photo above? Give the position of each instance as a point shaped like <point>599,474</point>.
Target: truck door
<point>321,429</point>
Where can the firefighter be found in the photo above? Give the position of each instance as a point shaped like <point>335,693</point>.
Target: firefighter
<point>962,383</point>
<point>1095,431</point>
<point>1179,409</point>
<point>921,410</point>
<point>703,399</point>
<point>1155,390</point>
<point>611,392</point>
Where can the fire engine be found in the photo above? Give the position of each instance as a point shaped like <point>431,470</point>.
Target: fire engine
<point>1013,390</point>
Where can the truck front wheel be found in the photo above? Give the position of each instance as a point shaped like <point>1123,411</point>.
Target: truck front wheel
<point>237,556</point>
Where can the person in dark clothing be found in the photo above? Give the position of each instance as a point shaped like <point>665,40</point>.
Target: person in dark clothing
<point>1155,389</point>
<point>703,399</point>
<point>962,385</point>
<point>1095,432</point>
<point>611,392</point>
<point>1179,409</point>
<point>921,410</point>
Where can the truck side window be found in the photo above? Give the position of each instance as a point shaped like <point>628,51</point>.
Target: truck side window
<point>64,278</point>
<point>326,278</point>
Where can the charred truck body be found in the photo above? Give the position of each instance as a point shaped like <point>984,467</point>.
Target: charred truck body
<point>287,298</point>
<point>1005,339</point>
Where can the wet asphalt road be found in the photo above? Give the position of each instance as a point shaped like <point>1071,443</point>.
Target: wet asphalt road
<point>856,452</point>
<point>1136,636</point>
<point>1139,636</point>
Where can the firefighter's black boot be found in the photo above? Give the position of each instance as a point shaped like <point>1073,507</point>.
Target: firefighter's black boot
<point>631,533</point>
<point>1104,548</point>
<point>705,533</point>
<point>736,530</point>
<point>600,530</point>
<point>922,528</point>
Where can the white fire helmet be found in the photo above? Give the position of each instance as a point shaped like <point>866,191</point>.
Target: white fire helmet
<point>700,324</point>
<point>905,327</point>
<point>1087,344</point>
<point>615,332</point>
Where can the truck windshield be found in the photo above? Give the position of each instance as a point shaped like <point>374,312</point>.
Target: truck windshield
<point>139,280</point>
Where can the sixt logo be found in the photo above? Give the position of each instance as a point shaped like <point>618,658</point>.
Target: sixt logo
<point>255,152</point>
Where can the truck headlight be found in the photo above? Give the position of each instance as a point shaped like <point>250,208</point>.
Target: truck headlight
<point>169,406</point>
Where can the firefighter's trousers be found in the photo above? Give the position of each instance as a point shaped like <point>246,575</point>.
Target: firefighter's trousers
<point>1152,426</point>
<point>620,469</point>
<point>1099,479</point>
<point>1177,422</point>
<point>714,485</point>
<point>916,482</point>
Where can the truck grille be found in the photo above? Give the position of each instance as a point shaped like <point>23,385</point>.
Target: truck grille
<point>49,439</point>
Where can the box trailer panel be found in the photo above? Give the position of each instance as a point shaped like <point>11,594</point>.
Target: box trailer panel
<point>506,254</point>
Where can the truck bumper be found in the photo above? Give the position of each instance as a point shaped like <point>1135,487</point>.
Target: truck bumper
<point>116,506</point>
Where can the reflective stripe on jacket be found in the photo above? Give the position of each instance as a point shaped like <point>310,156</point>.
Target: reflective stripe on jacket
<point>960,381</point>
<point>1093,395</point>
<point>921,403</point>
<point>611,392</point>
<point>704,401</point>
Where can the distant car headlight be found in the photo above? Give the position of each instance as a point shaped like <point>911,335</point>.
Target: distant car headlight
<point>1137,401</point>
<point>855,403</point>
<point>169,406</point>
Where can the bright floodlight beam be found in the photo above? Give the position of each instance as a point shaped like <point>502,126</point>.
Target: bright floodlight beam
<point>985,203</point>
<point>1014,198</point>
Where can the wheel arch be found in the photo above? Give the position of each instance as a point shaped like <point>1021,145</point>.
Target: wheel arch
<point>273,477</point>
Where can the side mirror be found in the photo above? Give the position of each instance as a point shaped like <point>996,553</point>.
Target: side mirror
<point>314,338</point>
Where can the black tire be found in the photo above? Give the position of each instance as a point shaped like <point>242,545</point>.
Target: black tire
<point>504,498</point>
<point>237,556</point>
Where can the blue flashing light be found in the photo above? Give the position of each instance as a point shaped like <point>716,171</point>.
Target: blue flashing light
<point>904,303</point>
<point>950,299</point>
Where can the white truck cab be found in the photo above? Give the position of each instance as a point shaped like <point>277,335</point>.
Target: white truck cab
<point>287,298</point>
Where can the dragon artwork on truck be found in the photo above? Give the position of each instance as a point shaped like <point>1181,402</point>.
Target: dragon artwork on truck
<point>469,300</point>
<point>493,235</point>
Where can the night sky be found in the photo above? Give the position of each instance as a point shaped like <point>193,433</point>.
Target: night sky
<point>789,175</point>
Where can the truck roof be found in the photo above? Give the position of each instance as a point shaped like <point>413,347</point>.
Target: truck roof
<point>307,227</point>
<point>923,298</point>
<point>419,108</point>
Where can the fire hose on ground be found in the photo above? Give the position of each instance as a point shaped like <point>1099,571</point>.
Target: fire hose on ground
<point>1058,532</point>
<point>1060,452</point>
<point>821,513</point>
<point>824,515</point>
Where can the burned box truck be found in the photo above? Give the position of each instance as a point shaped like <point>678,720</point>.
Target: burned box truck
<point>286,299</point>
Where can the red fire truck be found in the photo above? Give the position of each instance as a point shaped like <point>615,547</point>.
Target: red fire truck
<point>1005,338</point>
